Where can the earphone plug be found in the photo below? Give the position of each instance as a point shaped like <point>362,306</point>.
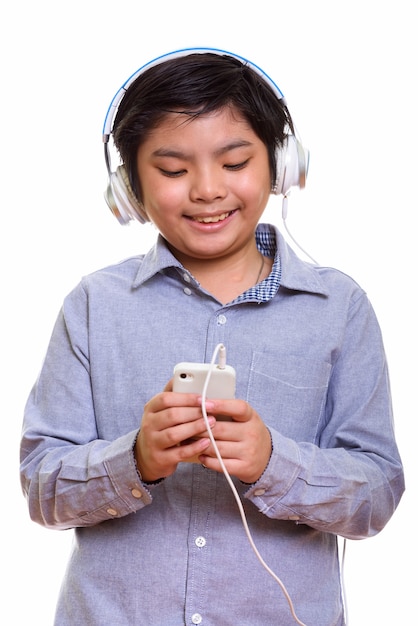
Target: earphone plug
<point>285,205</point>
<point>222,357</point>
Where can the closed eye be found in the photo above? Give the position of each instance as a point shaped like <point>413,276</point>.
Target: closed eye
<point>237,166</point>
<point>171,173</point>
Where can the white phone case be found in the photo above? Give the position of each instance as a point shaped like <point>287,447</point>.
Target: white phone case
<point>191,377</point>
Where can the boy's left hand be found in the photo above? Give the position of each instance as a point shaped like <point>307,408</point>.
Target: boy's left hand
<point>244,442</point>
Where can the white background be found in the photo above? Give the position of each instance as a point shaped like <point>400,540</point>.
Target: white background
<point>348,71</point>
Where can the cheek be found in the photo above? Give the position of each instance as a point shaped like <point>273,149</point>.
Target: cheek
<point>162,198</point>
<point>156,193</point>
<point>255,189</point>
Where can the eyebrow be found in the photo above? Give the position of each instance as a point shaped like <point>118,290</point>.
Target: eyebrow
<point>177,154</point>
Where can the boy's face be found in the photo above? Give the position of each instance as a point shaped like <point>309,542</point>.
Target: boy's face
<point>204,183</point>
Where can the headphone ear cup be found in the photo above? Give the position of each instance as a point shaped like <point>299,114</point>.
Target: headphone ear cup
<point>121,199</point>
<point>292,162</point>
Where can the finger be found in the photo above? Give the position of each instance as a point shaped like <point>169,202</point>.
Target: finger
<point>211,462</point>
<point>235,409</point>
<point>190,452</point>
<point>169,385</point>
<point>167,399</point>
<point>185,432</point>
<point>167,409</point>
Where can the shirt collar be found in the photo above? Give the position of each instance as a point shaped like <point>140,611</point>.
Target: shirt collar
<point>288,269</point>
<point>299,275</point>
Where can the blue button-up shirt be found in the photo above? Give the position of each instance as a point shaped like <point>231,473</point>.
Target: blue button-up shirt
<point>309,358</point>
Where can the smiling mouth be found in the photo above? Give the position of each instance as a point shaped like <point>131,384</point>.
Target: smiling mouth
<point>213,218</point>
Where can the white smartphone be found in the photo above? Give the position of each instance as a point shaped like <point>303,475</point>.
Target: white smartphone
<point>191,377</point>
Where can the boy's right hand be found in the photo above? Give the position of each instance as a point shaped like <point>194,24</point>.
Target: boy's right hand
<point>172,431</point>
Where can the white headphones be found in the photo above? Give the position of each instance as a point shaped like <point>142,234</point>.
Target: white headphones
<point>292,158</point>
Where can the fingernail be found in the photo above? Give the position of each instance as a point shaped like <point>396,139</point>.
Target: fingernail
<point>209,405</point>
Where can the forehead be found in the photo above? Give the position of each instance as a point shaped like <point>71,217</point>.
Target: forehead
<point>185,126</point>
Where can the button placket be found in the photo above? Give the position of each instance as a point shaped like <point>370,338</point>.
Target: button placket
<point>187,279</point>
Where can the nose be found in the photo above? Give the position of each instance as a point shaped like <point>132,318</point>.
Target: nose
<point>208,184</point>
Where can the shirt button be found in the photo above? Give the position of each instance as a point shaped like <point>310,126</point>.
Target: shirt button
<point>136,493</point>
<point>221,320</point>
<point>259,492</point>
<point>200,542</point>
<point>186,278</point>
<point>112,512</point>
<point>196,618</point>
<point>187,291</point>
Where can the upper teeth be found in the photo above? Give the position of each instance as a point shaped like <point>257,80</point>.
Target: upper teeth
<point>213,218</point>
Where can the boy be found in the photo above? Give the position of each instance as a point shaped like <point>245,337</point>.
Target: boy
<point>108,448</point>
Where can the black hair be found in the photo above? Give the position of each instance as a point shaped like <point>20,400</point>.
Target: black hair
<point>196,84</point>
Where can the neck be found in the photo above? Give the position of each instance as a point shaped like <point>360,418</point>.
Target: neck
<point>227,278</point>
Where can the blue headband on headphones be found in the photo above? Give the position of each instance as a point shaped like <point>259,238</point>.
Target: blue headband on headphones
<point>107,126</point>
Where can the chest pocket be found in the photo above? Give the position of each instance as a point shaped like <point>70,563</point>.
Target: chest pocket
<point>289,392</point>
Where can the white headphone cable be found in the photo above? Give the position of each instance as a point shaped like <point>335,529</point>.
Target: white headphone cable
<point>344,591</point>
<point>284,217</point>
<point>221,347</point>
